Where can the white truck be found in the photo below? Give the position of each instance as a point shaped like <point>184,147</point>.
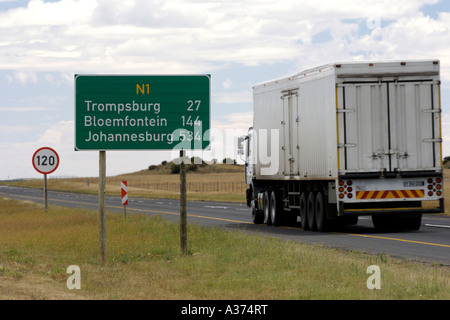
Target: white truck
<point>347,139</point>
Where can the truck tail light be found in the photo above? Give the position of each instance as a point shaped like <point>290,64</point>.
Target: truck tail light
<point>434,186</point>
<point>345,190</point>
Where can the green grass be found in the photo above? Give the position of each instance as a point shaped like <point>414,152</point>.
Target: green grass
<point>144,262</point>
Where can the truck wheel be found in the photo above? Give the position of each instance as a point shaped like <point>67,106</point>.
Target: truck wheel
<point>311,210</point>
<point>412,222</point>
<point>381,223</point>
<point>303,212</point>
<point>275,209</point>
<point>266,205</point>
<point>257,215</point>
<point>321,215</point>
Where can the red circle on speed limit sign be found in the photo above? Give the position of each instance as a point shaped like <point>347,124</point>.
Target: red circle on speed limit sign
<point>45,160</point>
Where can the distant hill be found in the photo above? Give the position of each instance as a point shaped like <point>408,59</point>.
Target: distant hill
<point>447,162</point>
<point>200,167</point>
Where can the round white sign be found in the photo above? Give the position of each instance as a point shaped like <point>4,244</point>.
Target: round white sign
<point>45,160</point>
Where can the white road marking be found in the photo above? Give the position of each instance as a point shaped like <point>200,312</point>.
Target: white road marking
<point>216,207</point>
<point>436,225</point>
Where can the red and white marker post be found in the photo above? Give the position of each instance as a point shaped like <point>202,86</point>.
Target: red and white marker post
<point>45,160</point>
<point>124,188</point>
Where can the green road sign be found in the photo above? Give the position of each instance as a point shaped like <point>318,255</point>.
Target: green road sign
<point>142,112</point>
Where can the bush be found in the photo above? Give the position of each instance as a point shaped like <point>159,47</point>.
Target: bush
<point>192,167</point>
<point>197,160</point>
<point>229,161</point>
<point>175,168</point>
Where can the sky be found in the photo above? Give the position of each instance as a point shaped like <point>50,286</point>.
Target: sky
<point>239,43</point>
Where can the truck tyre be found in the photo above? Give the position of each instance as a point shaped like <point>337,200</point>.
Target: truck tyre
<point>303,212</point>
<point>275,209</point>
<point>266,208</point>
<point>409,221</point>
<point>381,223</point>
<point>320,213</point>
<point>257,215</point>
<point>311,210</point>
<point>413,223</point>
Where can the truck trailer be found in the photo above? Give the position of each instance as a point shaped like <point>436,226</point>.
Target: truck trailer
<point>344,140</point>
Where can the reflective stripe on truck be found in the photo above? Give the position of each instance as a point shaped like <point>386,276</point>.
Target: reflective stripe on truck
<point>390,189</point>
<point>390,194</point>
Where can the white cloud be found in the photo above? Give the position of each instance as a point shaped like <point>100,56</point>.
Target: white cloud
<point>234,121</point>
<point>234,97</point>
<point>200,36</point>
<point>23,77</point>
<point>227,83</point>
<point>32,103</point>
<point>39,13</point>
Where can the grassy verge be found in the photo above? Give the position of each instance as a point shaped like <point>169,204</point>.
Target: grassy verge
<point>144,262</point>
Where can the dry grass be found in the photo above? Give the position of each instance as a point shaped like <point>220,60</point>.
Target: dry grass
<point>144,262</point>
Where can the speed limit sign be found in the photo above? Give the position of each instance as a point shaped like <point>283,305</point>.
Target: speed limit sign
<point>45,160</point>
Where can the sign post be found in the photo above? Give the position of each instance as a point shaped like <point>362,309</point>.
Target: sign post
<point>45,160</point>
<point>124,188</point>
<point>141,112</point>
<point>183,214</point>
<point>101,203</point>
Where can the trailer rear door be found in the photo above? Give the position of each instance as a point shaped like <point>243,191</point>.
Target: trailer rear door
<point>290,147</point>
<point>388,126</point>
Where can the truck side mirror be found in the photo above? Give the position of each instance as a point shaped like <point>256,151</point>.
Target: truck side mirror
<point>240,145</point>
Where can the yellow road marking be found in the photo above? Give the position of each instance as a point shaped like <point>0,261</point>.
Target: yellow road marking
<point>395,239</point>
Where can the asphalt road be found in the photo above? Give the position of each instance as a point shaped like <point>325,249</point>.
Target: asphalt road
<point>430,244</point>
